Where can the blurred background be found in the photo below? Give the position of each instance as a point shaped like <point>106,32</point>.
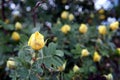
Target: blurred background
<point>83,10</point>
<point>44,15</point>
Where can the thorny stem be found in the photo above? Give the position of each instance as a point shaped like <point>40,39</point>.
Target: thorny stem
<point>34,11</point>
<point>30,70</point>
<point>15,78</point>
<point>36,54</point>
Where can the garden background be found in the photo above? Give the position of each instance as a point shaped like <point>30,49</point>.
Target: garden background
<point>59,40</point>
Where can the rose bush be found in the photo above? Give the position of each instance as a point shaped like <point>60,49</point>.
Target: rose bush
<point>60,41</point>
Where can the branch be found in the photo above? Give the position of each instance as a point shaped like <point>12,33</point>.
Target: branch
<point>34,11</point>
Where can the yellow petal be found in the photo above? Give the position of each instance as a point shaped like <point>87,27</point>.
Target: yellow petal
<point>64,15</point>
<point>18,26</point>
<point>11,64</point>
<point>36,41</point>
<point>15,36</point>
<point>83,28</point>
<point>76,68</point>
<point>96,57</point>
<point>102,29</point>
<point>85,52</point>
<point>65,29</point>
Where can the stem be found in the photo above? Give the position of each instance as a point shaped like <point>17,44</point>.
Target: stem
<point>34,11</point>
<point>36,54</point>
<point>29,72</point>
<point>15,75</point>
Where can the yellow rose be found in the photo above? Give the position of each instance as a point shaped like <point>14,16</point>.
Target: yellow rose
<point>102,17</point>
<point>102,30</point>
<point>114,25</point>
<point>55,39</point>
<point>18,26</point>
<point>11,64</point>
<point>71,17</point>
<point>58,21</point>
<point>36,41</point>
<point>76,68</point>
<point>65,29</point>
<point>92,15</point>
<point>83,28</point>
<point>96,57</point>
<point>118,49</point>
<point>64,15</point>
<point>62,68</point>
<point>101,11</point>
<point>85,52</point>
<point>15,36</point>
<point>99,41</point>
<point>109,76</point>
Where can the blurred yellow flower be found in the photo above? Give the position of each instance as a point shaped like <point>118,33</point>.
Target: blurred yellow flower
<point>55,39</point>
<point>101,17</point>
<point>15,36</point>
<point>76,68</point>
<point>11,64</point>
<point>92,15</point>
<point>102,30</point>
<point>101,11</point>
<point>64,15</point>
<point>71,17</point>
<point>85,52</point>
<point>83,28</point>
<point>18,26</point>
<point>114,25</point>
<point>58,21</point>
<point>36,41</point>
<point>65,29</point>
<point>99,40</point>
<point>96,57</point>
<point>109,76</point>
<point>118,49</point>
<point>62,68</point>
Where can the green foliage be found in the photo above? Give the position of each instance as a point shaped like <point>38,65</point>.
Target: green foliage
<point>44,64</point>
<point>62,51</point>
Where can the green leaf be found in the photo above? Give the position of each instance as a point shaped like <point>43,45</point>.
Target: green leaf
<point>57,61</point>
<point>92,68</point>
<point>33,77</point>
<point>8,27</point>
<point>81,70</point>
<point>52,48</point>
<point>37,28</point>
<point>59,53</point>
<point>23,73</point>
<point>48,61</point>
<point>105,53</point>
